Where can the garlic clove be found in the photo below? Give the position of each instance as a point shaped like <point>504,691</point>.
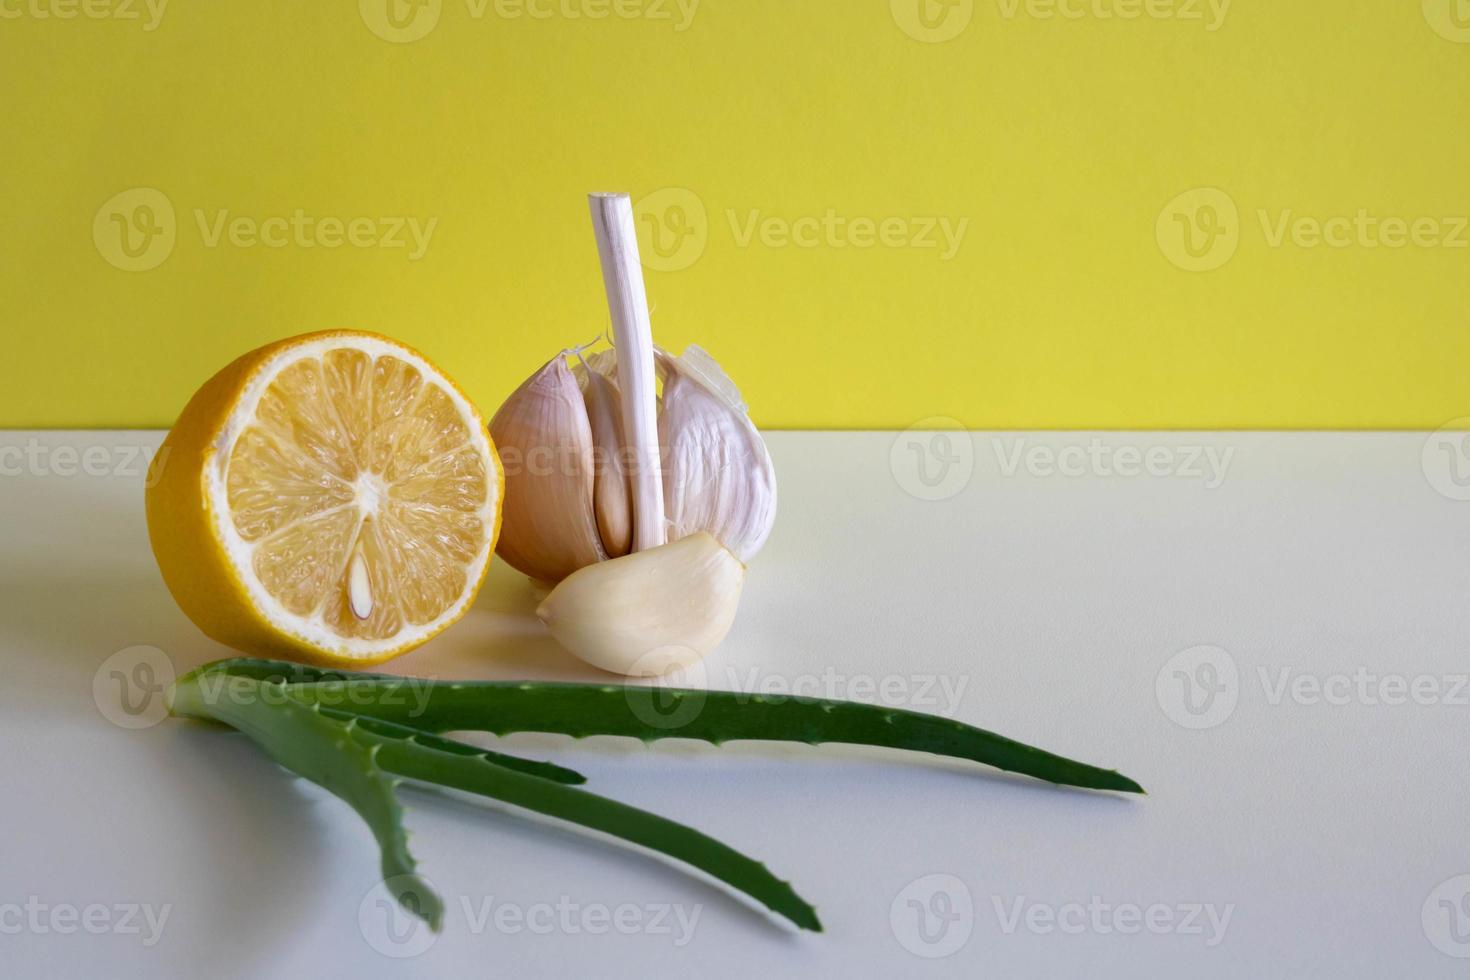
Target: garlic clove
<point>612,501</point>
<point>649,612</point>
<point>718,475</point>
<point>548,529</point>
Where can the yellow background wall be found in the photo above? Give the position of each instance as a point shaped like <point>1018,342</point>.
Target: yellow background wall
<point>1053,140</point>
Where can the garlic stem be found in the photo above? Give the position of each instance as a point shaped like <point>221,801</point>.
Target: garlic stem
<point>622,276</point>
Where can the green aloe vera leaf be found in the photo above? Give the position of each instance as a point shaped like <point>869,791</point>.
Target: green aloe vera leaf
<point>290,672</point>
<point>359,758</point>
<point>713,716</point>
<point>388,729</point>
<point>353,687</point>
<point>323,749</point>
<point>420,760</point>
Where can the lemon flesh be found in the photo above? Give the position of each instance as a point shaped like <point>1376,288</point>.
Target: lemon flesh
<point>332,496</point>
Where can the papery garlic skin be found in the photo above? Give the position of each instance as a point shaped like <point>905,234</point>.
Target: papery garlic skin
<point>649,612</point>
<point>548,528</point>
<point>718,475</point>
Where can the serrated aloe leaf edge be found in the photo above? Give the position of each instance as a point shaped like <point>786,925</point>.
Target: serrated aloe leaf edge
<point>322,749</point>
<point>359,734</point>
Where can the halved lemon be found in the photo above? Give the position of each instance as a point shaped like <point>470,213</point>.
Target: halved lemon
<point>332,497</point>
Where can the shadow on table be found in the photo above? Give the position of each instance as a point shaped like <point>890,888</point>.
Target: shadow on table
<point>257,847</point>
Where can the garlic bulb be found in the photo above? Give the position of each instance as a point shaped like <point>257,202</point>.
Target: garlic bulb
<point>568,495</point>
<point>651,612</point>
<point>606,481</point>
<point>568,501</point>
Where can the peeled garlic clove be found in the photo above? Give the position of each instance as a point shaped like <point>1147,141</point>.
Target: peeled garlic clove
<point>612,502</point>
<point>718,475</point>
<point>650,612</point>
<point>544,438</point>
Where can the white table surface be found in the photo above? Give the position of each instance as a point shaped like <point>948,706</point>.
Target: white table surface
<point>1056,608</point>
